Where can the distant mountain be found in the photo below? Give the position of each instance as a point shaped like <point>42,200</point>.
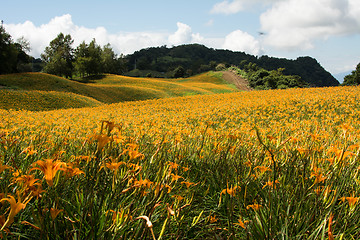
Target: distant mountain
<point>196,58</point>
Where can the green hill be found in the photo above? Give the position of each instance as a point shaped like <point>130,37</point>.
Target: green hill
<point>196,58</point>
<point>39,91</point>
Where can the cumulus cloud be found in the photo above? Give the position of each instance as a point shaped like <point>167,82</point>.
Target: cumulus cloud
<point>236,6</point>
<point>184,35</point>
<point>242,41</point>
<point>126,43</point>
<point>226,7</point>
<point>295,24</point>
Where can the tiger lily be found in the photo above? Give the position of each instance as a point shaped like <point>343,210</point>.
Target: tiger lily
<point>15,208</point>
<point>49,168</point>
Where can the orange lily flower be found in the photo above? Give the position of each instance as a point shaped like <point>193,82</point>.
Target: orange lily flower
<point>144,183</point>
<point>241,223</point>
<point>188,184</point>
<point>175,177</point>
<point>173,165</point>
<point>49,168</point>
<point>231,191</point>
<point>213,219</point>
<point>254,206</point>
<point>351,200</point>
<point>262,169</point>
<point>15,208</point>
<point>132,150</point>
<point>30,182</point>
<point>3,167</point>
<point>55,212</point>
<point>70,171</point>
<point>114,166</point>
<point>271,184</point>
<point>102,141</point>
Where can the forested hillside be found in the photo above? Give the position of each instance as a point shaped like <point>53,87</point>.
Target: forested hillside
<point>195,58</point>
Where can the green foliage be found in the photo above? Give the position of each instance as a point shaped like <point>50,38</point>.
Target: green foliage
<point>353,78</point>
<point>58,56</point>
<point>179,72</point>
<point>13,56</point>
<point>262,79</point>
<point>87,59</point>
<point>195,58</point>
<point>220,67</point>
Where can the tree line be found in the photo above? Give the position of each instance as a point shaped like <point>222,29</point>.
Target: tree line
<point>353,78</point>
<point>62,59</point>
<point>13,55</point>
<point>86,59</point>
<point>261,79</point>
<point>195,58</point>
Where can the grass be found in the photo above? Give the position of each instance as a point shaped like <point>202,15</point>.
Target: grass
<point>109,88</point>
<point>279,164</point>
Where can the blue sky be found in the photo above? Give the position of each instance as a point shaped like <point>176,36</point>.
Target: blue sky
<point>328,30</point>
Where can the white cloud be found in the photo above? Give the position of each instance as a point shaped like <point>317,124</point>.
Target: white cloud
<point>184,35</point>
<point>209,23</point>
<point>242,41</point>
<point>226,7</point>
<point>123,42</point>
<point>236,6</point>
<point>295,24</point>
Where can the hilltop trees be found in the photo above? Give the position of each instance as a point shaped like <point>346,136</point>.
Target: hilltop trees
<point>353,78</point>
<point>195,58</point>
<point>86,59</point>
<point>58,56</point>
<point>260,78</point>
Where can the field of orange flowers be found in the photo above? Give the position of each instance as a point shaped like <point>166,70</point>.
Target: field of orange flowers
<point>280,164</point>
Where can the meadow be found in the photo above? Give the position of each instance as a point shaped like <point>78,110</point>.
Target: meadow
<point>40,91</point>
<point>276,164</point>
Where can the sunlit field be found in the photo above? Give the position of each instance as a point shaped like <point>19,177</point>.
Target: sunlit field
<point>280,164</point>
<point>40,91</point>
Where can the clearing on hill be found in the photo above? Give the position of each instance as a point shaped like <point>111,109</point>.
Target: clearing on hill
<point>238,81</point>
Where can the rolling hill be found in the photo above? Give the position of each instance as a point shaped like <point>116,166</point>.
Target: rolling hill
<point>197,58</point>
<point>40,91</point>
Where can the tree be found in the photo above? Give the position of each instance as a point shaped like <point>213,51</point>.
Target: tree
<point>24,61</point>
<point>353,78</point>
<point>82,59</point>
<point>13,55</point>
<point>109,60</point>
<point>179,72</point>
<point>58,56</point>
<point>94,51</point>
<point>8,53</point>
<point>88,58</point>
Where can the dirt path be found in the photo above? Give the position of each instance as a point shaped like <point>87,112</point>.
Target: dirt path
<point>237,80</point>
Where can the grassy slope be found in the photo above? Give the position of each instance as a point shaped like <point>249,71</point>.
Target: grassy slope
<point>44,100</point>
<point>110,89</point>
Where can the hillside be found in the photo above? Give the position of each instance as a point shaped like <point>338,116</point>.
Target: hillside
<point>237,80</point>
<point>195,58</point>
<point>44,100</point>
<point>54,92</point>
<point>198,167</point>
